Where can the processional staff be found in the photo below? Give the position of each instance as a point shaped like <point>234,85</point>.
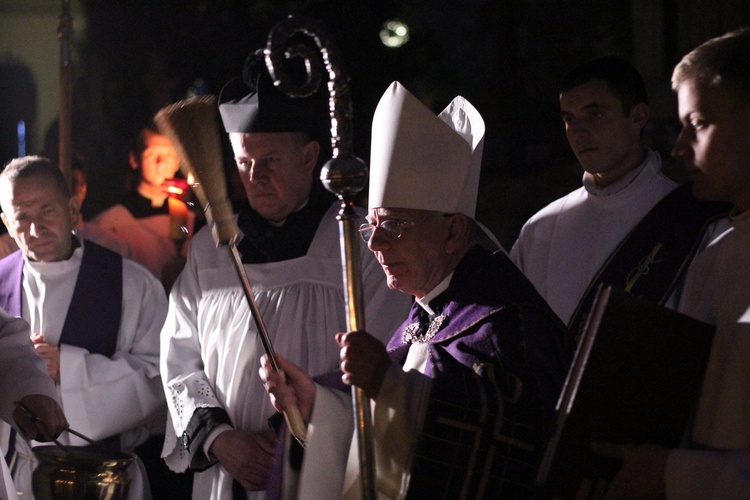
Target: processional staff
<point>64,34</point>
<point>345,175</point>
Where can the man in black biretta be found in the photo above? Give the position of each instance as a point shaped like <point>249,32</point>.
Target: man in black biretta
<point>210,351</point>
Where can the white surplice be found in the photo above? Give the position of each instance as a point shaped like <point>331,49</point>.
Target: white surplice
<point>561,248</point>
<point>22,372</point>
<point>101,396</point>
<point>210,348</point>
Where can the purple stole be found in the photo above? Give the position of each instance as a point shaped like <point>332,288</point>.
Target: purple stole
<point>650,261</point>
<point>93,318</point>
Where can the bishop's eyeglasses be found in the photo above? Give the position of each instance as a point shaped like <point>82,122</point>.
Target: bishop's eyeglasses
<point>391,228</point>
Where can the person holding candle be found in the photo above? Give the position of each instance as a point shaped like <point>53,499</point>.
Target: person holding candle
<point>155,224</point>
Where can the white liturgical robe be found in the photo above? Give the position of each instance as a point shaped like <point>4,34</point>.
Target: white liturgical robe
<point>22,372</point>
<point>561,248</point>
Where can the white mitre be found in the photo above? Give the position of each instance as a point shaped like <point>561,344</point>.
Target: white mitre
<point>422,161</point>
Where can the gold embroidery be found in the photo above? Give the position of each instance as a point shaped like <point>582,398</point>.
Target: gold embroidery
<point>643,268</point>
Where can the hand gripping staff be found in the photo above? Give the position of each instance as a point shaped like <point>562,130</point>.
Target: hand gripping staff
<point>192,126</point>
<point>345,175</point>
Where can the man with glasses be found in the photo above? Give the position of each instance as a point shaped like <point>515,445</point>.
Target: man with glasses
<point>290,251</point>
<point>467,384</point>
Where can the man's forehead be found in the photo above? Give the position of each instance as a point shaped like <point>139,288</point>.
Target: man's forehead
<point>30,187</point>
<point>263,137</point>
<point>591,93</point>
<point>394,213</point>
<point>154,139</point>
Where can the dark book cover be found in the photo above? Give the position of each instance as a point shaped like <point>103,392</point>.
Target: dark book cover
<point>635,378</point>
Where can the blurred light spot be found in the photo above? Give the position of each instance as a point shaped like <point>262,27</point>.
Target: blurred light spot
<point>394,34</point>
<point>21,138</point>
<point>198,88</point>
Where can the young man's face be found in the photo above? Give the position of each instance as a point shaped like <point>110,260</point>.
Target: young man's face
<point>276,169</point>
<point>605,140</point>
<point>158,161</point>
<point>714,143</point>
<point>39,218</point>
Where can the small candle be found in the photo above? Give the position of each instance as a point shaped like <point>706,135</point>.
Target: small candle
<point>178,214</point>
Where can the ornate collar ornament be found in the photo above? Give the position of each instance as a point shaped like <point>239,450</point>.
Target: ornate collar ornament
<point>416,332</point>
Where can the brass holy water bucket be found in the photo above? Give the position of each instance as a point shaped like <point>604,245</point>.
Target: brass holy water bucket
<point>80,473</point>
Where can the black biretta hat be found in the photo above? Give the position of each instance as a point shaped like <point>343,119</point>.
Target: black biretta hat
<point>251,103</point>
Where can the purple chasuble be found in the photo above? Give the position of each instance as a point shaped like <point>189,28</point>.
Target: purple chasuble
<point>498,363</point>
<point>11,281</point>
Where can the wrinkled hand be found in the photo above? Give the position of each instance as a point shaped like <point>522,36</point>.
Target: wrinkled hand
<point>246,455</point>
<point>291,385</point>
<point>50,354</point>
<point>364,361</point>
<point>642,473</point>
<point>47,421</point>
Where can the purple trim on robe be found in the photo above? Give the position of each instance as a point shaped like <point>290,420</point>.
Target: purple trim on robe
<point>11,274</point>
<point>93,318</point>
<point>275,483</point>
<point>498,364</point>
<point>494,315</point>
<point>99,290</point>
<point>483,286</point>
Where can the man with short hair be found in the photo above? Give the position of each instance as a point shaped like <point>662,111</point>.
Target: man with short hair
<point>614,229</point>
<point>713,94</point>
<point>95,317</point>
<point>291,253</point>
<point>467,385</point>
<point>86,230</point>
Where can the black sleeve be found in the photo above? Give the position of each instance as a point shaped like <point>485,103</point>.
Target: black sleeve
<point>203,421</point>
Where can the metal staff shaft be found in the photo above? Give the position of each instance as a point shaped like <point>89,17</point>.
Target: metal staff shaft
<point>344,175</point>
<point>293,416</point>
<point>349,241</point>
<point>260,325</point>
<point>65,153</point>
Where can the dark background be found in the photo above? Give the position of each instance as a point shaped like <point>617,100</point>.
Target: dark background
<point>504,56</point>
